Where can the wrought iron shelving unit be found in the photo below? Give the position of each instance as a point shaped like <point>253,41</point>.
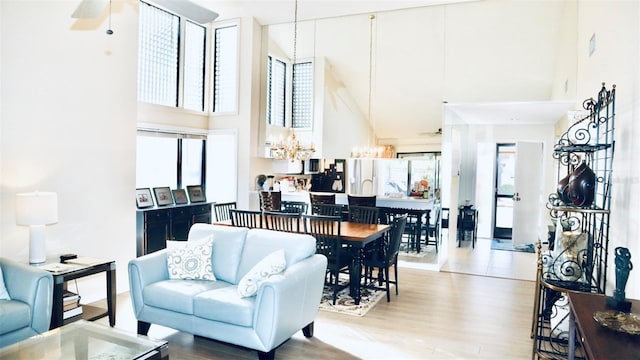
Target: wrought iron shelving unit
<point>590,139</point>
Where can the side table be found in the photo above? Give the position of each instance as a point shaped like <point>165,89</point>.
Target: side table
<point>597,341</point>
<point>71,271</point>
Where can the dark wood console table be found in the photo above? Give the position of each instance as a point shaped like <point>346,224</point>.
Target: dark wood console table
<point>597,341</point>
<point>156,225</point>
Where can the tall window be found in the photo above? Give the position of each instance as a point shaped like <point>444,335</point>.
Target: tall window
<point>194,60</point>
<point>302,109</point>
<point>225,86</point>
<point>158,56</point>
<point>163,37</point>
<point>276,91</point>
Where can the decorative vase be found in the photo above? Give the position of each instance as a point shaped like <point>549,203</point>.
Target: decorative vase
<point>582,185</point>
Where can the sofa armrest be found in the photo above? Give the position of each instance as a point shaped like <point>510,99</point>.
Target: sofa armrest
<point>146,270</point>
<point>32,286</point>
<point>288,302</point>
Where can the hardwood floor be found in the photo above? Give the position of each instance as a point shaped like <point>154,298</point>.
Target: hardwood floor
<point>438,315</point>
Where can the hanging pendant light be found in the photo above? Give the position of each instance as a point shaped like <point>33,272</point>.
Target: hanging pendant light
<point>369,151</point>
<point>290,148</point>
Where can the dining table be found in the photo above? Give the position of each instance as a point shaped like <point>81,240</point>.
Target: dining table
<point>356,236</point>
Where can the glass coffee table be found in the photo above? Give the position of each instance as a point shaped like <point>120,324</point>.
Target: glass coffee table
<point>87,340</point>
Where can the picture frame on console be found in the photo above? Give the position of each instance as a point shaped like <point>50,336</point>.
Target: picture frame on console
<point>195,193</point>
<point>163,196</point>
<point>144,198</point>
<point>180,196</point>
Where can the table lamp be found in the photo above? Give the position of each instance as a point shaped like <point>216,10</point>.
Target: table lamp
<point>36,210</point>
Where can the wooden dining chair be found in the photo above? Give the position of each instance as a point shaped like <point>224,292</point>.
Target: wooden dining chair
<point>322,198</point>
<point>246,218</point>
<point>359,200</point>
<point>364,214</point>
<point>295,207</point>
<point>221,210</point>
<point>270,200</point>
<point>327,209</point>
<point>326,230</point>
<point>385,257</point>
<point>432,228</point>
<point>282,221</point>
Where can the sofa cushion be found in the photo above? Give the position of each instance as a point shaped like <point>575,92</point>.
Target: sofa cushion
<point>177,295</point>
<point>191,261</point>
<point>4,294</point>
<point>272,264</point>
<point>225,305</point>
<point>227,248</point>
<point>261,242</point>
<point>15,315</point>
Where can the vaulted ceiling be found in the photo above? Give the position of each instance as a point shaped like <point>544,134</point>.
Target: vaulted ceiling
<point>492,61</point>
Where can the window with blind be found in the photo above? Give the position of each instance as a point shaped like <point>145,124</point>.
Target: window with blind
<point>276,91</point>
<point>194,71</point>
<point>225,87</point>
<point>158,52</point>
<point>302,102</point>
<point>163,37</point>
<point>170,159</point>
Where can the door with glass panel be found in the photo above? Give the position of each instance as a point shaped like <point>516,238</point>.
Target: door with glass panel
<point>504,190</point>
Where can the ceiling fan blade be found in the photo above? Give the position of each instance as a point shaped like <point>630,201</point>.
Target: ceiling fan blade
<point>89,9</point>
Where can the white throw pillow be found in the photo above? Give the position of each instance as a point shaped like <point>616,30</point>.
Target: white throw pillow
<point>272,264</point>
<point>191,260</point>
<point>4,294</point>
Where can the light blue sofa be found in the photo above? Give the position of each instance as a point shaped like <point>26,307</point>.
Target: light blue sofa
<point>28,312</point>
<point>284,304</point>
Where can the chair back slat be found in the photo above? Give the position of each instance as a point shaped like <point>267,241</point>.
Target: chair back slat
<point>327,209</point>
<point>246,218</point>
<point>363,214</point>
<point>326,230</point>
<point>281,221</point>
<point>221,210</point>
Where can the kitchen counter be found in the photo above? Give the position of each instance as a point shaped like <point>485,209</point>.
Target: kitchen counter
<point>382,201</point>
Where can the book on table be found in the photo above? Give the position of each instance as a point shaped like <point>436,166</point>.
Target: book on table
<point>71,304</point>
<point>71,313</point>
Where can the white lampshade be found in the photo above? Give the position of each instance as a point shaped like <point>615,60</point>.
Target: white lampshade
<point>37,208</point>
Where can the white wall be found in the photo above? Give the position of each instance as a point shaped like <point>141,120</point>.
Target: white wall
<point>68,123</point>
<point>248,115</point>
<point>615,61</point>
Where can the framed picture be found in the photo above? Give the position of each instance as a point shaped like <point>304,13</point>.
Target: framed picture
<point>180,196</point>
<point>195,193</point>
<point>163,196</point>
<point>143,198</point>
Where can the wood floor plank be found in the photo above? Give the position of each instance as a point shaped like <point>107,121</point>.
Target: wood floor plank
<point>438,315</point>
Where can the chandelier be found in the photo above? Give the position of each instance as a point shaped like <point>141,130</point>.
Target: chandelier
<point>291,149</point>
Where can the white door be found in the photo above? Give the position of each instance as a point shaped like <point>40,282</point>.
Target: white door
<point>526,204</point>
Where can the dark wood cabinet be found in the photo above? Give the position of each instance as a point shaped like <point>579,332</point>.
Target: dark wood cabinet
<point>156,225</point>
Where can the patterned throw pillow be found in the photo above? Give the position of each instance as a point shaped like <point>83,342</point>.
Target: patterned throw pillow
<point>192,261</point>
<point>272,264</point>
<point>4,294</point>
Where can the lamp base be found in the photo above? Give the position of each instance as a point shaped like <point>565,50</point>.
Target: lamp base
<point>37,252</point>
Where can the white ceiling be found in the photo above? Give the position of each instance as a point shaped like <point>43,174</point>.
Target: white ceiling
<point>489,61</point>
<point>269,12</point>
